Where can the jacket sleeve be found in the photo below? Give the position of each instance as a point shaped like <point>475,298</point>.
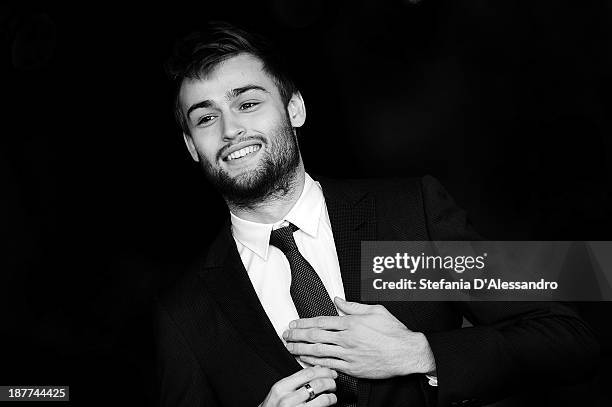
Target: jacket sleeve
<point>180,380</point>
<point>511,345</point>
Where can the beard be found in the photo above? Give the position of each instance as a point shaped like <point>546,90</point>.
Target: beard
<point>273,178</point>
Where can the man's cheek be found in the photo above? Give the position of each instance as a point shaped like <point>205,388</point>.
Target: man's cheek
<point>212,154</point>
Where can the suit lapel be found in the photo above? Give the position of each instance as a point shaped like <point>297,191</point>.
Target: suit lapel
<point>352,216</point>
<point>228,282</point>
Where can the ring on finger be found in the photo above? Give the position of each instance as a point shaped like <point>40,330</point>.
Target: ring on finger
<point>311,392</point>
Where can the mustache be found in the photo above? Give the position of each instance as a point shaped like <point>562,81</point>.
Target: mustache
<point>240,140</point>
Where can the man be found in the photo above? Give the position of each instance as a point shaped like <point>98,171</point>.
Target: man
<point>255,324</point>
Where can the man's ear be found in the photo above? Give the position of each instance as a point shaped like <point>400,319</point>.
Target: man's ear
<point>297,110</point>
<point>191,147</point>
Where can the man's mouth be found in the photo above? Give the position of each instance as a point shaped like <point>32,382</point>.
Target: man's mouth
<point>238,154</point>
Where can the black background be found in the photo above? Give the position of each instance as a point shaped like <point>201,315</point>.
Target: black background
<point>504,102</point>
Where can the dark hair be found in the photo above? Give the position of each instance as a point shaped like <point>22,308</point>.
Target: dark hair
<point>200,52</point>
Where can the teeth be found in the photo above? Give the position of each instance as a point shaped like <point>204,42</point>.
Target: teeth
<point>242,152</point>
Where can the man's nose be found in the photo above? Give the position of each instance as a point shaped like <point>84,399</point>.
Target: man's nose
<point>232,127</point>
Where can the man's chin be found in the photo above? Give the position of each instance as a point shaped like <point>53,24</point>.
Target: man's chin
<point>244,184</point>
<point>245,178</point>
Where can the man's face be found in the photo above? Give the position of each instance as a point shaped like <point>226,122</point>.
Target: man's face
<point>241,132</point>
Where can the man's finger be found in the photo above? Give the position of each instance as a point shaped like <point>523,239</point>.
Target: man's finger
<point>312,335</point>
<point>323,400</point>
<point>355,308</point>
<point>336,323</point>
<point>302,395</point>
<point>316,349</point>
<point>335,364</point>
<point>298,379</point>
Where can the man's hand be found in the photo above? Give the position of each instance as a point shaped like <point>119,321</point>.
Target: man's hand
<point>369,342</point>
<point>290,391</point>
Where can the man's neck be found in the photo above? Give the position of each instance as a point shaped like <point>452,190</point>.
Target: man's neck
<point>274,208</point>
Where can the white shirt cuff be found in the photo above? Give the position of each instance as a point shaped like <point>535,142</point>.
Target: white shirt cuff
<point>433,380</point>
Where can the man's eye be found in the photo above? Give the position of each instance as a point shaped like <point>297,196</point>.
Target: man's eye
<point>205,119</point>
<point>248,105</point>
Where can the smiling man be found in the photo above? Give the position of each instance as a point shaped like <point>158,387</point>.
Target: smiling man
<point>240,129</point>
<point>272,316</point>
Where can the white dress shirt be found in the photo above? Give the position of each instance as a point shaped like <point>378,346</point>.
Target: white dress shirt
<point>267,266</point>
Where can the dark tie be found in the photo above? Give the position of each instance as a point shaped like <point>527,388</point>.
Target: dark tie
<point>311,299</point>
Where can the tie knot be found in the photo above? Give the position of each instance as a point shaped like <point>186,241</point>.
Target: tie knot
<point>283,238</point>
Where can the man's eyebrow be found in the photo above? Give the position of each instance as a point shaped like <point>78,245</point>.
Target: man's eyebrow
<point>238,91</point>
<point>199,105</point>
<point>230,95</point>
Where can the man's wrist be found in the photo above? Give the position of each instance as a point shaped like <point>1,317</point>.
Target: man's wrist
<point>421,359</point>
<point>428,361</point>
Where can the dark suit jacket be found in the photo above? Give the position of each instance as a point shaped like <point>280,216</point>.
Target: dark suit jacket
<point>216,346</point>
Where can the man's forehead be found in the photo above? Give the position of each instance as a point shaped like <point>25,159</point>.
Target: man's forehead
<point>234,72</point>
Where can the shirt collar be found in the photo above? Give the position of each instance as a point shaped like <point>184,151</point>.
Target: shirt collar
<point>305,214</point>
